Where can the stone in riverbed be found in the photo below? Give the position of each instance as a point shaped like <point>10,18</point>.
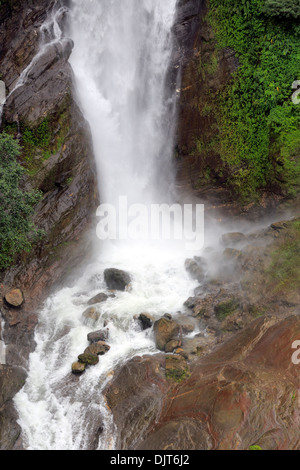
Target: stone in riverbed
<point>88,359</point>
<point>164,331</point>
<point>100,335</point>
<point>91,313</point>
<point>117,279</point>
<point>146,321</point>
<point>98,299</point>
<point>78,367</point>
<point>99,348</point>
<point>14,298</point>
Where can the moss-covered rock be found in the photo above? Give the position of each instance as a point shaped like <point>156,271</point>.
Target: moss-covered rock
<point>177,368</point>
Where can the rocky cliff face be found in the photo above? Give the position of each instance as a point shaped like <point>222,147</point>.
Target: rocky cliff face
<point>43,109</point>
<point>236,385</point>
<point>204,71</point>
<point>230,401</point>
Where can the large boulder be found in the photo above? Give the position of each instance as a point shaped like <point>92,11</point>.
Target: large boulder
<point>165,330</point>
<point>117,279</point>
<point>14,298</point>
<point>99,348</point>
<point>99,335</point>
<point>98,299</point>
<point>244,392</point>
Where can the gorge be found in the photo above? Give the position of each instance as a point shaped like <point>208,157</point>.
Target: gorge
<point>111,99</point>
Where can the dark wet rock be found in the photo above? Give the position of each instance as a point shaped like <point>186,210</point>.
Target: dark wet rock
<point>279,225</point>
<point>14,298</point>
<point>99,298</point>
<point>168,316</point>
<point>146,321</point>
<point>164,331</point>
<point>12,379</point>
<point>117,279</point>
<point>190,302</point>
<point>100,335</point>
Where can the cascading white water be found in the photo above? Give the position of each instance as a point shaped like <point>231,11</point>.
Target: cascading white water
<point>50,35</point>
<point>120,60</point>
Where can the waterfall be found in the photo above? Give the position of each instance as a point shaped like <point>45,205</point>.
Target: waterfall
<point>50,34</point>
<point>120,62</point>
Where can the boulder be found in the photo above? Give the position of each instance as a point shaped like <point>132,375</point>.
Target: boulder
<point>14,298</point>
<point>99,298</point>
<point>116,279</point>
<point>88,359</point>
<point>100,335</point>
<point>91,313</point>
<point>99,348</point>
<point>78,367</point>
<point>164,331</point>
<point>145,320</point>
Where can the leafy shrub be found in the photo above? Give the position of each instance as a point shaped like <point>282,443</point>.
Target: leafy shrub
<point>259,125</point>
<point>17,231</point>
<point>282,8</point>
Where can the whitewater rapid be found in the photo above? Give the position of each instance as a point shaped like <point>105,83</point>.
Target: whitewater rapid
<point>120,60</point>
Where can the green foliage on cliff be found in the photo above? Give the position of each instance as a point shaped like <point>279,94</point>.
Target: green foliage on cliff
<point>17,231</point>
<point>280,8</point>
<point>260,125</point>
<point>283,274</point>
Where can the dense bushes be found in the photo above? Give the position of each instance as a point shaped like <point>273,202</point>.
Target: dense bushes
<point>260,126</point>
<point>282,8</point>
<point>17,230</point>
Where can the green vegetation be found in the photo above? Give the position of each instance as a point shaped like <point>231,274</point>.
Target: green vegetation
<point>17,231</point>
<point>284,273</point>
<point>224,309</point>
<point>176,369</point>
<point>259,138</point>
<point>255,447</point>
<point>280,8</point>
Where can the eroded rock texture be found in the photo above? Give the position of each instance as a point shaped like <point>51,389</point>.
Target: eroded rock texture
<point>58,157</point>
<point>244,393</point>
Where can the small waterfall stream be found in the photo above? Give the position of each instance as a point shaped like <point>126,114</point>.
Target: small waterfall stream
<point>120,61</point>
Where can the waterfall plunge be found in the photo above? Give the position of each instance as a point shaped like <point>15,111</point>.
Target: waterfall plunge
<point>120,61</point>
